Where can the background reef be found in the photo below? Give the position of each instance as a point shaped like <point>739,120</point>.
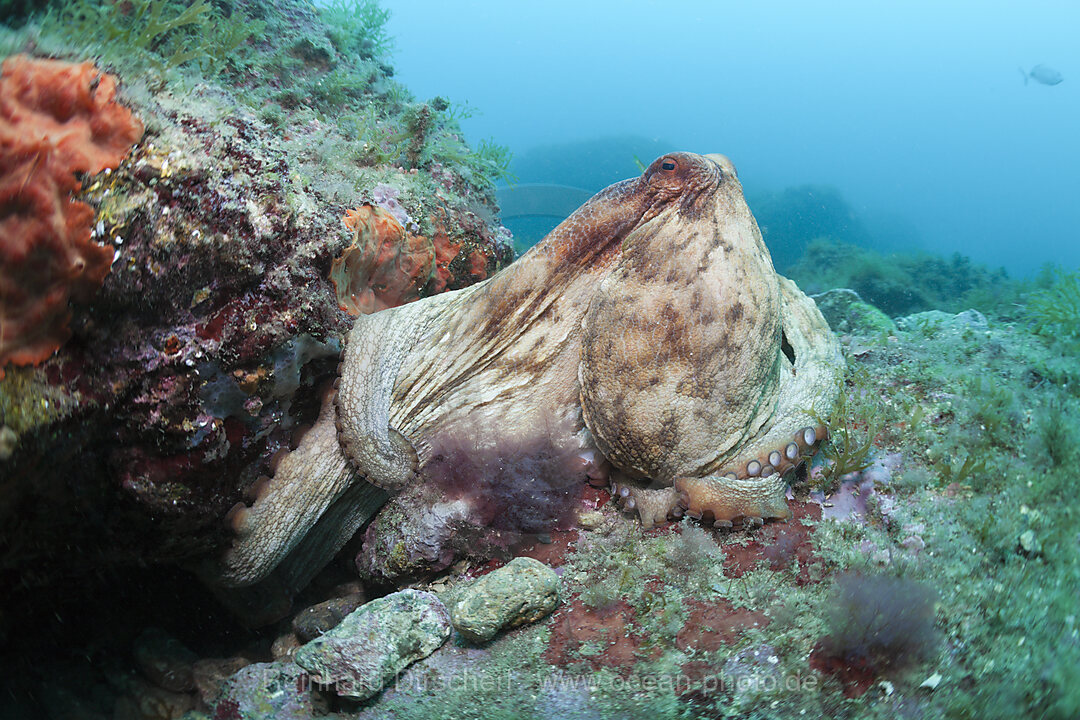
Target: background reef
<point>930,570</point>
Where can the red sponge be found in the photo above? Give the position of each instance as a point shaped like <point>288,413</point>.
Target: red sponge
<point>56,119</point>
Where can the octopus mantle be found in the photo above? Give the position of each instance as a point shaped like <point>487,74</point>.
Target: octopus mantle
<point>647,341</point>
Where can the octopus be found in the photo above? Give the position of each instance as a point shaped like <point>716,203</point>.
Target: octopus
<point>646,342</point>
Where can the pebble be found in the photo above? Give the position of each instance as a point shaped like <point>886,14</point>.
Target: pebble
<point>521,592</point>
<point>164,660</point>
<point>316,620</point>
<point>8,442</point>
<point>285,646</point>
<point>590,519</point>
<point>376,642</point>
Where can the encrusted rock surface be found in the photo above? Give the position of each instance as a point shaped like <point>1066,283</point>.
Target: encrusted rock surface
<point>376,642</point>
<point>211,674</point>
<point>521,592</point>
<point>936,320</point>
<point>268,691</point>
<point>846,312</point>
<point>187,369</point>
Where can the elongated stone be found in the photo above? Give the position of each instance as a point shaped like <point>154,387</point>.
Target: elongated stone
<point>375,642</point>
<point>521,592</point>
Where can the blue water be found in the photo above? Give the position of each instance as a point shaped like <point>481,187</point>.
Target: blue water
<point>915,111</point>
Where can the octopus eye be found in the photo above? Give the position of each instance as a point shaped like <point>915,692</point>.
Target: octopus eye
<point>668,165</point>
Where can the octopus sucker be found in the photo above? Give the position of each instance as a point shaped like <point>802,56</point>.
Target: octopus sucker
<point>257,488</point>
<point>262,527</point>
<point>647,341</point>
<point>706,496</point>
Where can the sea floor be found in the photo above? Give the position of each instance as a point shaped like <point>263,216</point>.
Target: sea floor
<point>930,569</point>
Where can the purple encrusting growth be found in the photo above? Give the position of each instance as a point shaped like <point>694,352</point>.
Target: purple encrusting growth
<point>527,484</point>
<point>479,495</point>
<point>386,197</point>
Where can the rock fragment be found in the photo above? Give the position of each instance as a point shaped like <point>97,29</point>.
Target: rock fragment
<point>316,620</point>
<point>521,592</point>
<point>375,642</point>
<point>211,674</point>
<point>268,691</point>
<point>164,660</point>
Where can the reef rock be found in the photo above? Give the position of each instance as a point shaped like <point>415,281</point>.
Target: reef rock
<point>166,248</point>
<point>846,312</point>
<point>934,321</point>
<point>268,691</point>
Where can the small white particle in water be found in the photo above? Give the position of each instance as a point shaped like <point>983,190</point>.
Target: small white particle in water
<point>118,240</point>
<point>195,234</point>
<point>108,171</point>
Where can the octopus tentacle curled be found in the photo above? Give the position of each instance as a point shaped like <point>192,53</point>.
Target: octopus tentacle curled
<point>647,340</point>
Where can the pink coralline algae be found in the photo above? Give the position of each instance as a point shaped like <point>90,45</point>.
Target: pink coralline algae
<point>386,197</point>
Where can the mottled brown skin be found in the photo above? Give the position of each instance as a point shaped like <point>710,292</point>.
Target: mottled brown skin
<point>680,355</point>
<point>649,325</point>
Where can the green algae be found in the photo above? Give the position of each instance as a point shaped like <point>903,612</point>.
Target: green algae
<point>163,33</point>
<point>851,428</point>
<point>358,27</point>
<point>1055,310</point>
<point>902,283</point>
<point>999,551</point>
<point>323,82</point>
<point>1004,610</point>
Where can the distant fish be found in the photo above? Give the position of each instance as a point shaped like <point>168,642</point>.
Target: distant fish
<point>1042,74</point>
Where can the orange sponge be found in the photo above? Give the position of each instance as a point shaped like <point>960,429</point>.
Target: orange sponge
<point>384,267</point>
<point>56,119</point>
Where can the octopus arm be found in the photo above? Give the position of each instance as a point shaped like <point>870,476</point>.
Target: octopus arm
<point>305,484</point>
<point>750,485</point>
<point>378,346</point>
